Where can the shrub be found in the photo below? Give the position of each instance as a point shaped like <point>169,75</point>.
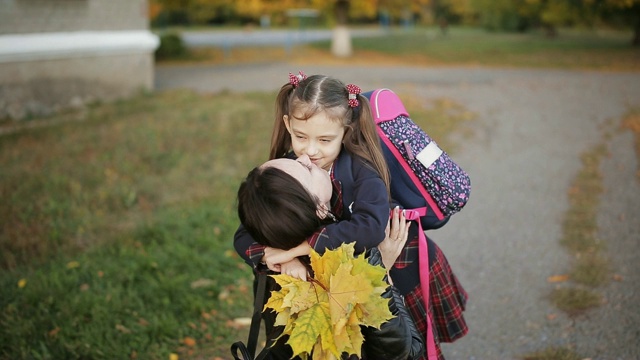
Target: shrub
<point>171,47</point>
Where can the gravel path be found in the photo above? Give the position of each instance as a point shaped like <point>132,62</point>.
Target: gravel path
<point>531,129</point>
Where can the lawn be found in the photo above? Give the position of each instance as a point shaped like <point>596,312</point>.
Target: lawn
<point>117,225</point>
<point>118,220</point>
<point>571,49</point>
<point>602,50</point>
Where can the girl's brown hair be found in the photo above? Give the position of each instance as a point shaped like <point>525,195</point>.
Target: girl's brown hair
<point>320,93</point>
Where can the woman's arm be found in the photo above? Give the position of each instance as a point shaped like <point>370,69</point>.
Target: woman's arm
<point>396,235</point>
<point>250,251</point>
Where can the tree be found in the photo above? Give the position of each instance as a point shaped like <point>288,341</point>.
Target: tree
<point>621,13</point>
<point>341,40</point>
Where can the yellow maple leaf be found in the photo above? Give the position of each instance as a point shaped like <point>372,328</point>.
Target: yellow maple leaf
<point>307,296</point>
<point>371,314</point>
<point>323,316</point>
<point>309,326</point>
<point>374,273</point>
<point>348,337</point>
<point>347,290</point>
<point>283,318</point>
<point>320,353</point>
<point>275,301</point>
<point>318,265</point>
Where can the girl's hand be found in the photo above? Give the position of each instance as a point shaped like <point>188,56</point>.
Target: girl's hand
<point>294,268</point>
<point>396,235</point>
<point>274,257</point>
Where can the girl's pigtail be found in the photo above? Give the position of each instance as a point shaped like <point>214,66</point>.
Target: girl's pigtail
<point>362,139</point>
<point>280,138</point>
<point>372,141</point>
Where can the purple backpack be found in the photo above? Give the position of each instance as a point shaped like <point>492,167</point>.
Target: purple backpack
<point>422,175</point>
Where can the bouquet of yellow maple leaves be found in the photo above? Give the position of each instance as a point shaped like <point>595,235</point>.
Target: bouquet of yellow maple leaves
<point>323,316</point>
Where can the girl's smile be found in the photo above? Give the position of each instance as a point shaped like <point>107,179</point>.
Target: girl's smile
<point>318,137</point>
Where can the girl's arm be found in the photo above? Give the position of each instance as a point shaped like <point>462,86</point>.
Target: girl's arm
<point>274,257</point>
<point>366,202</point>
<point>276,260</point>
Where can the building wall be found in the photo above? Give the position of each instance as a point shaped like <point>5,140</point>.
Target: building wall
<point>60,54</point>
<point>34,16</point>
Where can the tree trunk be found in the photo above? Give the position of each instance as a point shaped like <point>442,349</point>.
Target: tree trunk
<point>341,41</point>
<point>550,30</point>
<point>342,12</point>
<point>636,33</point>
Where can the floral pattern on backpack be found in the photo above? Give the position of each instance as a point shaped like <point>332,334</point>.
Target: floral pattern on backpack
<point>444,180</point>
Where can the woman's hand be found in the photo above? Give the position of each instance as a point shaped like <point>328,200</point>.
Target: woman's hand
<point>396,235</point>
<point>294,268</point>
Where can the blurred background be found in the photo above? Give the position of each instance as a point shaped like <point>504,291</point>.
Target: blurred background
<point>126,127</point>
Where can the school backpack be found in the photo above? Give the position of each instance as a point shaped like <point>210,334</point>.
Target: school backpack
<point>422,174</point>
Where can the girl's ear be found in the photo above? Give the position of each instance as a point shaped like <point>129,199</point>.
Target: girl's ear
<point>285,119</point>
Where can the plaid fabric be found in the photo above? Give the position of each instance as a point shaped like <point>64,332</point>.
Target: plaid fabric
<point>409,254</point>
<point>255,252</point>
<point>336,209</point>
<point>446,304</point>
<point>336,196</point>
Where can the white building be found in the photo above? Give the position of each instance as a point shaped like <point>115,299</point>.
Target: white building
<point>57,54</point>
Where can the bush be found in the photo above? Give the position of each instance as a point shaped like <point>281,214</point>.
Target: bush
<point>171,47</point>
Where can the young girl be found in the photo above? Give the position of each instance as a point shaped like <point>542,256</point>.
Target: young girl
<point>329,122</point>
<point>328,125</point>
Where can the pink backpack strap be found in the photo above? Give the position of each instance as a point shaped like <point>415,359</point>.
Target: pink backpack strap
<point>407,169</point>
<point>386,105</point>
<point>423,261</point>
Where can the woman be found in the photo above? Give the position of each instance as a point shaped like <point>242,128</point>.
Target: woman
<point>284,201</point>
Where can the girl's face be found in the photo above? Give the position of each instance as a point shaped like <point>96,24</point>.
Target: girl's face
<point>314,179</point>
<point>319,137</point>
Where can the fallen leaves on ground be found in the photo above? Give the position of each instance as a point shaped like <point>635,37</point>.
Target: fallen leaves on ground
<point>557,278</point>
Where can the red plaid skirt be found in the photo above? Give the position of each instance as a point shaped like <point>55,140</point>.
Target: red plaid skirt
<point>446,304</point>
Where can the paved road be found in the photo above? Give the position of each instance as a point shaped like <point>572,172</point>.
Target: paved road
<point>239,38</point>
<point>531,129</point>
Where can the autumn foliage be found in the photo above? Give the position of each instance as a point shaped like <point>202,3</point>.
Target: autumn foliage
<point>323,316</point>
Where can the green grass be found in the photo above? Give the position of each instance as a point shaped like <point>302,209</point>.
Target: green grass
<point>631,122</point>
<point>571,49</point>
<point>553,354</point>
<point>117,224</point>
<point>590,265</point>
<point>134,295</point>
<point>603,50</point>
<point>575,300</point>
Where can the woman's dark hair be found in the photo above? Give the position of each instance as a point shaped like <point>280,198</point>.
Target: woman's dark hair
<point>276,209</point>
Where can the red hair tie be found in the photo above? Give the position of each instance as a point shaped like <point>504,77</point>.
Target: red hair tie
<point>353,90</point>
<point>295,79</point>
